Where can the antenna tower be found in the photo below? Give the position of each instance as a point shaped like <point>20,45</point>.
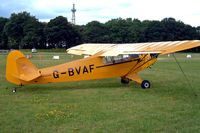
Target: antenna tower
<point>73,14</point>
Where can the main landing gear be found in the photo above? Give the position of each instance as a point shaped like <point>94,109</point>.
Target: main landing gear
<point>145,84</point>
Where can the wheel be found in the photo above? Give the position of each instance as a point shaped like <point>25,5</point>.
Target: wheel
<point>14,90</point>
<point>145,84</point>
<point>124,80</point>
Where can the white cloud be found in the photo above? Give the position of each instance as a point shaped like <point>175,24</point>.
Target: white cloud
<point>103,10</point>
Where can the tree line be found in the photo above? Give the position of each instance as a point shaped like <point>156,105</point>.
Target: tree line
<point>22,30</point>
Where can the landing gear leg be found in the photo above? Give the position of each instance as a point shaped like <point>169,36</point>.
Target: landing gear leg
<point>144,83</point>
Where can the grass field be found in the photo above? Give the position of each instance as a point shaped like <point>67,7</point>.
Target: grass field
<point>171,105</point>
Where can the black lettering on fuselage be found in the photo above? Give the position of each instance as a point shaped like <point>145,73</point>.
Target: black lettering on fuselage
<point>85,70</point>
<point>55,74</point>
<point>80,70</point>
<point>70,71</point>
<point>91,67</point>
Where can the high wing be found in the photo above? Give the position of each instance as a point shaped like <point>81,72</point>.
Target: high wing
<point>89,48</point>
<point>133,48</point>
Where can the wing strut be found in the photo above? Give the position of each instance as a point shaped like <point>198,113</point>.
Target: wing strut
<point>186,78</point>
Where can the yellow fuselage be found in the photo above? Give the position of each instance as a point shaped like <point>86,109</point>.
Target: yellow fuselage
<point>91,68</point>
<point>21,71</point>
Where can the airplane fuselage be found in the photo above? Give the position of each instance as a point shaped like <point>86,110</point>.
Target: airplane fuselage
<point>90,68</point>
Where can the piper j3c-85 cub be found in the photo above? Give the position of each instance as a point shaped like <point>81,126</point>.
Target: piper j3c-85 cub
<point>103,61</point>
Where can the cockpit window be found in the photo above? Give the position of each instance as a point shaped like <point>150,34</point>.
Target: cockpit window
<point>134,55</point>
<point>119,58</point>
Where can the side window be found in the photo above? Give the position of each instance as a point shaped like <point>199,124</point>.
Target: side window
<point>134,55</point>
<point>117,59</point>
<point>108,60</point>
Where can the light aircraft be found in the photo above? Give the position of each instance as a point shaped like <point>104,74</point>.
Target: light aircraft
<point>102,61</point>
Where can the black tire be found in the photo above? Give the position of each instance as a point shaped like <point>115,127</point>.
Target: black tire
<point>145,84</point>
<point>14,90</point>
<point>125,80</point>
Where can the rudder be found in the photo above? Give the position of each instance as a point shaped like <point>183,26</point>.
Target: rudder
<point>20,70</point>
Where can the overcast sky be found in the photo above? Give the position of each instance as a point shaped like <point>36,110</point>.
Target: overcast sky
<point>187,11</point>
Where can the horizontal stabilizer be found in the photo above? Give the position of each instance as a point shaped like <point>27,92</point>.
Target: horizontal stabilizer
<point>27,71</point>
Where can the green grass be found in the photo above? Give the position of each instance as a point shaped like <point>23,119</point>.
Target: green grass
<point>105,105</point>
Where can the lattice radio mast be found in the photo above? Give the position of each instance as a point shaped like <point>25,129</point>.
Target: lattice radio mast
<point>73,14</point>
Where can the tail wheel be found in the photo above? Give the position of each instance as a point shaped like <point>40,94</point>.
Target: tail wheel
<point>145,84</point>
<point>125,80</point>
<point>14,90</point>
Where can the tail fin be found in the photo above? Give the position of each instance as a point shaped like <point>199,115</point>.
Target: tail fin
<point>19,69</point>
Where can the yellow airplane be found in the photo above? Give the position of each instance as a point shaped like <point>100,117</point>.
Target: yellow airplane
<point>102,61</point>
